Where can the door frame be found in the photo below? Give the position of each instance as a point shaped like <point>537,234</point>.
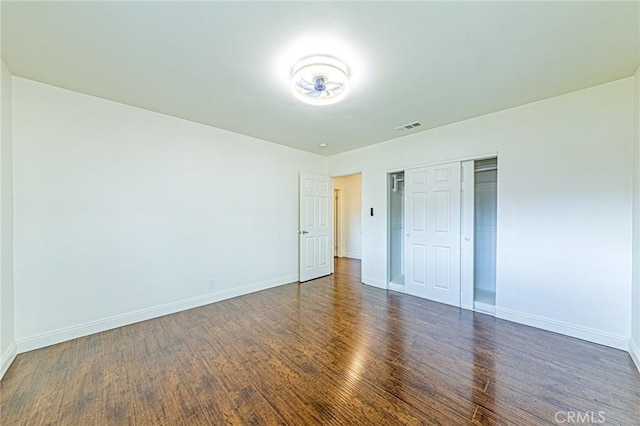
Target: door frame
<point>362,216</point>
<point>337,232</point>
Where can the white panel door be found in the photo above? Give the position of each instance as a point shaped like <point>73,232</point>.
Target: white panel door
<point>316,219</point>
<point>432,243</point>
<point>415,270</point>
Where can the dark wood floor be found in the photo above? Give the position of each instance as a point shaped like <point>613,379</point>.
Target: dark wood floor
<point>330,351</point>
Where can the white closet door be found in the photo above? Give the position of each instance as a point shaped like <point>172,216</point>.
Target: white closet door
<point>432,244</point>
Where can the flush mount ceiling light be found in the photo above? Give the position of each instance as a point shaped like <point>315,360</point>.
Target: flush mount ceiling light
<point>320,80</point>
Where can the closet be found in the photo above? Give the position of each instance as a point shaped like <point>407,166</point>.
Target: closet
<point>484,234</point>
<point>442,231</point>
<point>396,230</point>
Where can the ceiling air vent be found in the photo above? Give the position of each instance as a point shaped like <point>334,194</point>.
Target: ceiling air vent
<point>409,126</point>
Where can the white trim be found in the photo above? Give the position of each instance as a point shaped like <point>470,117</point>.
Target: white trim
<point>568,329</point>
<point>337,223</point>
<point>484,308</point>
<point>352,256</point>
<point>80,330</point>
<point>467,233</point>
<point>396,287</point>
<point>374,282</point>
<point>634,351</point>
<point>7,358</point>
<point>454,160</point>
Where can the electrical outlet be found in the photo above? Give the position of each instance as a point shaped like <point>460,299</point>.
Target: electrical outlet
<point>212,285</point>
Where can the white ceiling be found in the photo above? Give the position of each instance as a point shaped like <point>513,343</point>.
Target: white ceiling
<point>226,64</point>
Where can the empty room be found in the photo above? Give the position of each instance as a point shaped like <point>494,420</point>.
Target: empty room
<point>317,212</point>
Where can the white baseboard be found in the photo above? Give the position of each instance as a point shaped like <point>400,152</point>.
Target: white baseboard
<point>396,287</point>
<point>7,358</point>
<point>568,329</point>
<point>374,282</point>
<point>80,330</point>
<point>352,256</point>
<point>634,351</point>
<point>484,308</point>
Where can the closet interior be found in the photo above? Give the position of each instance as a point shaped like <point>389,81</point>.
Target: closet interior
<point>396,230</point>
<point>484,233</point>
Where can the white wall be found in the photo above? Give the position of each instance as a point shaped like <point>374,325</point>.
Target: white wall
<point>564,203</point>
<point>122,214</point>
<point>7,345</point>
<point>634,343</point>
<point>350,222</point>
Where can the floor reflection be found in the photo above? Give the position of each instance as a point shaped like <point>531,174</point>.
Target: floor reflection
<point>483,331</point>
<point>395,342</point>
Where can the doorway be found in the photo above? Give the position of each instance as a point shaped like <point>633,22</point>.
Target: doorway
<point>348,216</point>
<point>479,232</point>
<point>395,194</point>
<point>485,223</point>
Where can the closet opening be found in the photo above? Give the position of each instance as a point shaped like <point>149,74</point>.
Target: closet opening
<point>485,180</point>
<point>395,226</point>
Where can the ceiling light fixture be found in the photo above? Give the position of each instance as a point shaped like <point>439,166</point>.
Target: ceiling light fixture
<point>320,80</point>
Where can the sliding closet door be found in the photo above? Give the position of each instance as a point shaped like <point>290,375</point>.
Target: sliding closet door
<point>432,244</point>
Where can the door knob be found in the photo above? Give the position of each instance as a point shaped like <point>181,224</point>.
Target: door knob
<point>304,232</point>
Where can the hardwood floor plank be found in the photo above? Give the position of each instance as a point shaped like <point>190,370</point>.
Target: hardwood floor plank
<point>330,351</point>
